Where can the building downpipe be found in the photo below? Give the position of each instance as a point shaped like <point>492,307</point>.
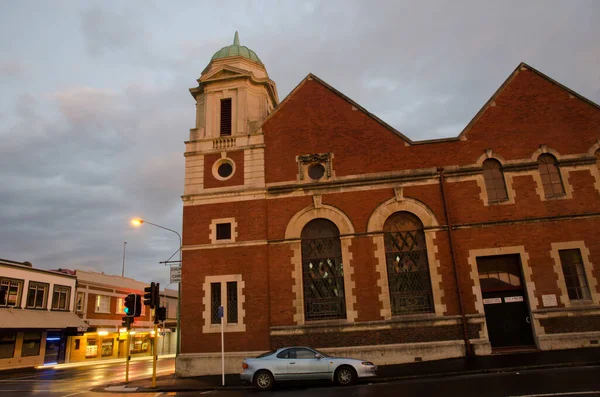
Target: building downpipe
<point>468,347</point>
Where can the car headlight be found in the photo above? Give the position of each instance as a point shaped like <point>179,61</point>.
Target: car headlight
<point>367,363</point>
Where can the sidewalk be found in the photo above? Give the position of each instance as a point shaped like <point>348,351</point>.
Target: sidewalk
<point>428,369</point>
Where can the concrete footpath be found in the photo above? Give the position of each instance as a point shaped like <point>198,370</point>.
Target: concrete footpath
<point>514,362</point>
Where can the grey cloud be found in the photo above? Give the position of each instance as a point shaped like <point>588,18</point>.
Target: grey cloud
<point>83,154</point>
<point>11,68</point>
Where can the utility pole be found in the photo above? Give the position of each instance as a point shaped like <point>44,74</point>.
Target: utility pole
<point>123,271</point>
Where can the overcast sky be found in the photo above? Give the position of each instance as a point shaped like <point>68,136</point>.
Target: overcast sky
<point>94,101</point>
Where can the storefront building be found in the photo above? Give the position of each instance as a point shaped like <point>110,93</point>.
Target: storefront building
<point>37,312</point>
<point>313,222</point>
<point>99,302</point>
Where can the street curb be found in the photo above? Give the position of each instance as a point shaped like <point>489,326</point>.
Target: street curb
<point>368,380</point>
<point>484,371</point>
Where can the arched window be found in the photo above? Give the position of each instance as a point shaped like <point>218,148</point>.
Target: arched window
<point>550,174</point>
<point>407,265</point>
<point>494,181</point>
<point>322,271</point>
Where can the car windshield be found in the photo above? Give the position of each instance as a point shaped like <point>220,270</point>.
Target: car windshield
<point>266,354</point>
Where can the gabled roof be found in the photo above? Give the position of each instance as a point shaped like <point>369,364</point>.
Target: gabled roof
<point>522,66</point>
<point>462,135</point>
<point>344,97</point>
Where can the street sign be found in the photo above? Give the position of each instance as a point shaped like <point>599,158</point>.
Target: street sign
<point>221,312</point>
<point>176,274</point>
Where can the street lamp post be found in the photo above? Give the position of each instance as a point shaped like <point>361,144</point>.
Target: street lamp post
<point>139,222</point>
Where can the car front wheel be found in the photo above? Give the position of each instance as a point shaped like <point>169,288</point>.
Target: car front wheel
<point>345,376</point>
<point>263,380</point>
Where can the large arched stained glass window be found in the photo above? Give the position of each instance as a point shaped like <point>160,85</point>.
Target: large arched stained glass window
<point>322,271</point>
<point>407,265</point>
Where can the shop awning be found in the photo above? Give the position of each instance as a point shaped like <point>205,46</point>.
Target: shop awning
<point>28,319</point>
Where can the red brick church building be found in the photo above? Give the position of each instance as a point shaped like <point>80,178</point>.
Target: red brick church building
<point>313,222</point>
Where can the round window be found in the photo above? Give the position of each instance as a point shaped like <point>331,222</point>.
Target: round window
<point>225,170</point>
<point>316,171</point>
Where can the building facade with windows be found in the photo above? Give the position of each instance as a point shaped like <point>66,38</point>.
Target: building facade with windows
<point>99,302</point>
<point>313,222</point>
<point>37,315</point>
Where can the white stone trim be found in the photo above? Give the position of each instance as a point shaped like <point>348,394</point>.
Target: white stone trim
<point>508,180</point>
<point>217,164</point>
<point>302,217</point>
<point>587,264</point>
<point>529,285</point>
<point>382,279</point>
<point>349,284</point>
<point>294,231</point>
<point>213,230</point>
<point>254,167</point>
<point>384,210</point>
<point>240,326</point>
<point>527,272</point>
<point>247,243</point>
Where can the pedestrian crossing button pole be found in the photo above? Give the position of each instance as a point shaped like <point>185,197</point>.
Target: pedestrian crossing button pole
<point>221,315</point>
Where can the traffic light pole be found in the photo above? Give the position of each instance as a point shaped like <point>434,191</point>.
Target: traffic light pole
<point>127,357</point>
<point>155,353</point>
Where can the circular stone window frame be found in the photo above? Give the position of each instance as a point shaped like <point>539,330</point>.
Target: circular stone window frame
<point>217,164</point>
<point>316,165</point>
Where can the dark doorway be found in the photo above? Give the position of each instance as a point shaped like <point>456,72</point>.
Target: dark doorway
<point>55,347</point>
<point>505,301</point>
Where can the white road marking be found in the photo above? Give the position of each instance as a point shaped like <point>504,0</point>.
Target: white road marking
<point>573,393</point>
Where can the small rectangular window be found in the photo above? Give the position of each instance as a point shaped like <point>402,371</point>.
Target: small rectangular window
<point>36,296</point>
<point>215,302</point>
<point>102,304</point>
<point>226,116</point>
<point>232,302</point>
<point>10,292</point>
<point>223,231</point>
<point>60,297</point>
<point>574,273</point>
<point>80,299</point>
<point>77,344</point>
<point>31,344</point>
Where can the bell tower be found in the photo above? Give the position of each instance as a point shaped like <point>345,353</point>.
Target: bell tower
<point>225,150</point>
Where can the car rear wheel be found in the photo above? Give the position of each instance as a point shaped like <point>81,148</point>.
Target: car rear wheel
<point>345,376</point>
<point>263,380</point>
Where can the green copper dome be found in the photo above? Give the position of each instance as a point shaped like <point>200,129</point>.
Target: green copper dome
<point>236,50</point>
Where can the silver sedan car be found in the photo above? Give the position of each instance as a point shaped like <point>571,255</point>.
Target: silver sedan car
<point>303,363</point>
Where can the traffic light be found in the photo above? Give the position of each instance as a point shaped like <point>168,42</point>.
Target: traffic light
<point>130,305</point>
<point>151,297</point>
<point>127,321</point>
<point>138,305</point>
<point>161,314</point>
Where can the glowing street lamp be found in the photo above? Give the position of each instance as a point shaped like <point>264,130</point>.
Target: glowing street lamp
<point>139,222</point>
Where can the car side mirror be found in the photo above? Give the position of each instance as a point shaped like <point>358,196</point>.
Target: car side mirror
<point>318,356</point>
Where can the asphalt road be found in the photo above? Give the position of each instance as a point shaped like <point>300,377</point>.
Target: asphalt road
<point>575,382</point>
<point>77,381</point>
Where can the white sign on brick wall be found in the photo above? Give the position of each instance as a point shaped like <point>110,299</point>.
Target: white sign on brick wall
<point>176,274</point>
<point>549,300</point>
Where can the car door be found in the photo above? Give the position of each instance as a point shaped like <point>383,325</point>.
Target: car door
<point>303,364</point>
<point>279,365</point>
